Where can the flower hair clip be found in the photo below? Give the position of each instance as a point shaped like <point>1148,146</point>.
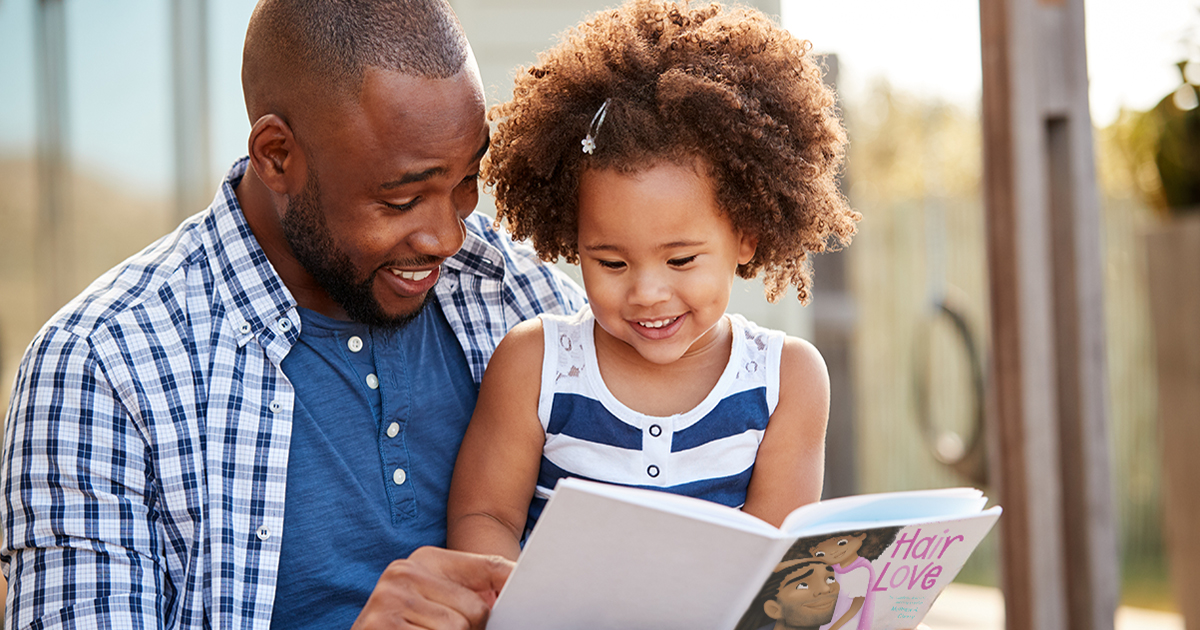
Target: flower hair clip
<point>589,141</point>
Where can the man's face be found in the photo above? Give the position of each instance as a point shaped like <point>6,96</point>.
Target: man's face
<point>390,180</point>
<point>807,595</point>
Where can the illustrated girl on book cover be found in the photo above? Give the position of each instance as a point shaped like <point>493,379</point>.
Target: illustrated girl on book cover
<point>850,554</point>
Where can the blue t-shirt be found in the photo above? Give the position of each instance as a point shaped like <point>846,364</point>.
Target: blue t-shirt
<point>378,422</point>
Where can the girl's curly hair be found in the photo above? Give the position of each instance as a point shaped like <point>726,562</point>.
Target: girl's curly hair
<point>726,86</point>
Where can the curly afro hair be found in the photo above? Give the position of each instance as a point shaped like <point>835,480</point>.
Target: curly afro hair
<point>682,82</point>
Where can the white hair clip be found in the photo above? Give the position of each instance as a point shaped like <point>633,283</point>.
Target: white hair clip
<point>589,141</point>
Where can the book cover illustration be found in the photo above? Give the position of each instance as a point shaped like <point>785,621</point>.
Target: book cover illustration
<point>883,578</point>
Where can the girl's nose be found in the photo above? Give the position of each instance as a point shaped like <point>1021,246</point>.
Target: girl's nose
<point>649,288</point>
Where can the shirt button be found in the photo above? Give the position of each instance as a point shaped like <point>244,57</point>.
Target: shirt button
<point>276,406</point>
<point>393,429</point>
<point>652,470</point>
<point>372,381</point>
<point>284,324</point>
<point>399,476</point>
<point>354,343</point>
<point>655,430</point>
<point>263,533</point>
<point>244,328</point>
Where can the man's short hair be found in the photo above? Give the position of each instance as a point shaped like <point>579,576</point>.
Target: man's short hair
<point>323,47</point>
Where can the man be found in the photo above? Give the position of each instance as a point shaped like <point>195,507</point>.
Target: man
<point>244,425</point>
<point>799,595</point>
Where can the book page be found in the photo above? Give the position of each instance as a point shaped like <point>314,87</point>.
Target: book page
<point>598,562</point>
<point>863,511</point>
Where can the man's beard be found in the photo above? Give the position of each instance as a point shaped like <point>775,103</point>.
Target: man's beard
<point>308,235</point>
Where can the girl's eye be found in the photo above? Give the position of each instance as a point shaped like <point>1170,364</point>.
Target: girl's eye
<point>680,262</point>
<point>802,586</point>
<point>611,264</point>
<point>819,554</point>
<point>843,542</point>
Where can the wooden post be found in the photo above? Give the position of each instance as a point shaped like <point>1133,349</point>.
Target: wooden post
<point>834,317</point>
<point>1048,415</point>
<point>190,107</point>
<point>55,256</point>
<point>1174,265</point>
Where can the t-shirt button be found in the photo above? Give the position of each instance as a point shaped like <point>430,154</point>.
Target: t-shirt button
<point>655,430</point>
<point>372,381</point>
<point>354,343</point>
<point>263,532</point>
<point>652,470</point>
<point>399,476</point>
<point>393,429</point>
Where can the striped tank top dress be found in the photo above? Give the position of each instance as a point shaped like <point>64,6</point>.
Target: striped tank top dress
<point>707,452</point>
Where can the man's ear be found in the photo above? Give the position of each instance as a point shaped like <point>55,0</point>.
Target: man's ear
<point>746,247</point>
<point>773,609</point>
<point>276,156</point>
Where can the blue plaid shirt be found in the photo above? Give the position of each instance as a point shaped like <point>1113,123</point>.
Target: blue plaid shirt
<point>146,445</point>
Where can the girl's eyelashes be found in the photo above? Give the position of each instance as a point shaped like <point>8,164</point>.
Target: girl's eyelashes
<point>611,264</point>
<point>681,262</point>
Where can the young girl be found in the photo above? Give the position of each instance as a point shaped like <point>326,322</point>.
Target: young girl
<point>665,149</point>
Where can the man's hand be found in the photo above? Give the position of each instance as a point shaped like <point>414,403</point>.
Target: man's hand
<point>435,589</point>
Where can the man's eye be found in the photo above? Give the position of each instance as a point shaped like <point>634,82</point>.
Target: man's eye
<point>801,586</point>
<point>469,180</point>
<point>830,580</point>
<point>680,262</point>
<point>402,207</point>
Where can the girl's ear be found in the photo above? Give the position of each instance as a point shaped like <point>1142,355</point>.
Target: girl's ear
<point>746,247</point>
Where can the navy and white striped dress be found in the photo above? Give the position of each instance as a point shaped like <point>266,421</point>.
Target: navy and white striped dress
<point>707,452</point>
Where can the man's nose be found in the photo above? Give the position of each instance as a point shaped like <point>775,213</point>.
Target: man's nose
<point>442,231</point>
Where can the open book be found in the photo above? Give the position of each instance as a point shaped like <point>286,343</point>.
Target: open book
<point>609,557</point>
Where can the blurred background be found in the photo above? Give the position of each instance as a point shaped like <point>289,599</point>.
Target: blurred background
<point>119,118</point>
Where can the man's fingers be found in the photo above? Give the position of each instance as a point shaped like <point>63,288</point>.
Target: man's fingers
<point>436,589</point>
<point>482,574</point>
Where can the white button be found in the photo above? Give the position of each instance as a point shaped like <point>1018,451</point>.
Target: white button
<point>354,343</point>
<point>244,328</point>
<point>399,476</point>
<point>393,429</point>
<point>276,406</point>
<point>284,325</point>
<point>655,430</point>
<point>652,470</point>
<point>372,381</point>
<point>263,533</point>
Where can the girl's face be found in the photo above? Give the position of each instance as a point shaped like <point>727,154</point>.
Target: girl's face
<point>658,257</point>
<point>839,549</point>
